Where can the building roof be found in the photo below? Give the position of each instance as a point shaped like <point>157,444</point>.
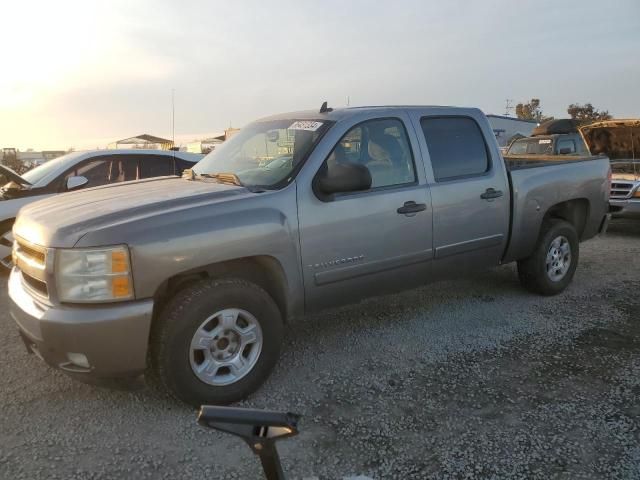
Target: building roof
<point>144,138</point>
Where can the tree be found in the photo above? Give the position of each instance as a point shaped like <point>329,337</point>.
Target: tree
<point>587,113</point>
<point>531,111</point>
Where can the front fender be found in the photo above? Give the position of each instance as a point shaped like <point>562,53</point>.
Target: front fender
<point>169,244</point>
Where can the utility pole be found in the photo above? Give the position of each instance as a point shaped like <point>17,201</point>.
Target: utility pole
<point>508,107</point>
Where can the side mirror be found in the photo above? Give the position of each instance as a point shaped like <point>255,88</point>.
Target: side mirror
<point>565,151</point>
<point>74,183</point>
<point>344,177</point>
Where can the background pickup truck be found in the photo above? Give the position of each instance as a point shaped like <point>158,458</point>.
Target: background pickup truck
<point>192,280</point>
<point>555,137</point>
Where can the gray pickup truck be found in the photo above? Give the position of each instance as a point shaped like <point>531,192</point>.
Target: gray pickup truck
<point>192,281</point>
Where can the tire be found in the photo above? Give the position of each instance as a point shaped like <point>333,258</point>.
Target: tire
<point>544,275</point>
<point>174,362</point>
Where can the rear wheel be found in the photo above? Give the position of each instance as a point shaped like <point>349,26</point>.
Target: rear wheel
<point>550,269</point>
<point>216,342</point>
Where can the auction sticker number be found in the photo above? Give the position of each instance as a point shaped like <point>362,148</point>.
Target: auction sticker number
<point>305,125</point>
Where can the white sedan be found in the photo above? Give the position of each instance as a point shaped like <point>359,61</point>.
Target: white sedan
<point>80,170</point>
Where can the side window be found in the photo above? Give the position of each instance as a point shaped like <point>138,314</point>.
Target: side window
<point>382,146</point>
<point>566,147</point>
<point>97,172</point>
<point>123,169</point>
<point>155,166</point>
<point>456,147</point>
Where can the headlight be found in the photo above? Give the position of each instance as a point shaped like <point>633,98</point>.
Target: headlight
<point>94,275</point>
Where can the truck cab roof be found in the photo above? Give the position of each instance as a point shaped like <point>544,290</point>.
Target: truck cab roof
<point>338,114</point>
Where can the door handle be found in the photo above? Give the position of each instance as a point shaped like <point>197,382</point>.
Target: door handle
<point>491,193</point>
<point>411,207</point>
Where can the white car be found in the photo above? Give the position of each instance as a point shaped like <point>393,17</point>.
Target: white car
<point>80,170</point>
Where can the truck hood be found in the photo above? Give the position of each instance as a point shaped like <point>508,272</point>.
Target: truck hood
<point>617,139</point>
<point>62,220</point>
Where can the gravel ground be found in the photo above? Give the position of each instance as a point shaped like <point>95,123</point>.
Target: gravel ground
<point>468,379</point>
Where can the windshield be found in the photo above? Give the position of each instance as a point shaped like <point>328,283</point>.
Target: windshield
<point>37,174</point>
<point>531,146</point>
<point>265,154</point>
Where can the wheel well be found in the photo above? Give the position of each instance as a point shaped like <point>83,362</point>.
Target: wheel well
<point>264,271</point>
<point>573,211</point>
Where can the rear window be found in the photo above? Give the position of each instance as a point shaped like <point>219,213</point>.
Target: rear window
<point>456,147</point>
<point>566,147</point>
<point>532,146</point>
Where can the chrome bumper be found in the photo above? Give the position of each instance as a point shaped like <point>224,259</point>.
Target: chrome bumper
<point>625,208</point>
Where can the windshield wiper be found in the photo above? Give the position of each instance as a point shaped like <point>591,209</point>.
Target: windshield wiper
<point>227,178</point>
<point>231,178</point>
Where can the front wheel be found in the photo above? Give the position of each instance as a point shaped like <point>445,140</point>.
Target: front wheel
<point>216,342</point>
<point>550,269</point>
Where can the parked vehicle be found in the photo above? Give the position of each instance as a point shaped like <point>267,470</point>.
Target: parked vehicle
<point>193,280</point>
<point>620,141</point>
<point>555,137</point>
<point>80,170</point>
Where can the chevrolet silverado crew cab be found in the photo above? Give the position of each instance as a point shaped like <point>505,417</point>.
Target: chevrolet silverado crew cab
<point>77,170</point>
<point>193,280</point>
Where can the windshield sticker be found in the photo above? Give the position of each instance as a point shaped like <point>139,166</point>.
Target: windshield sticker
<point>305,125</point>
<point>544,141</point>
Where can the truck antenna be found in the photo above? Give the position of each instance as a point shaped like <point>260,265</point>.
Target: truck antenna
<point>325,109</point>
<point>173,118</point>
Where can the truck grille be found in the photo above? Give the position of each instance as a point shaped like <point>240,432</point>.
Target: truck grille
<point>31,260</point>
<point>35,284</point>
<point>31,253</point>
<point>621,189</point>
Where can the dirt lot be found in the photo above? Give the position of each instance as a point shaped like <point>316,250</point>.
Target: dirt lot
<point>468,379</point>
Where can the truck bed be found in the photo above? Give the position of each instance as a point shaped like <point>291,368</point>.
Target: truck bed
<point>541,182</point>
<point>518,162</point>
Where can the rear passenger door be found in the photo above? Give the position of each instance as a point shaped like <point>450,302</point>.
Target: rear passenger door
<point>469,189</point>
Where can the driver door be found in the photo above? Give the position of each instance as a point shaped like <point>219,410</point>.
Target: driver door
<point>365,243</point>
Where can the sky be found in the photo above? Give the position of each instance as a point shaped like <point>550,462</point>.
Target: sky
<point>82,73</point>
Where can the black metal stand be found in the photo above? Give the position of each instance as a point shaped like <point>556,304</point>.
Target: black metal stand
<point>260,429</point>
<point>271,461</point>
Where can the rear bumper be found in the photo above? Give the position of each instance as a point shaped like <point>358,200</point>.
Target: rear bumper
<point>625,208</point>
<point>112,337</point>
